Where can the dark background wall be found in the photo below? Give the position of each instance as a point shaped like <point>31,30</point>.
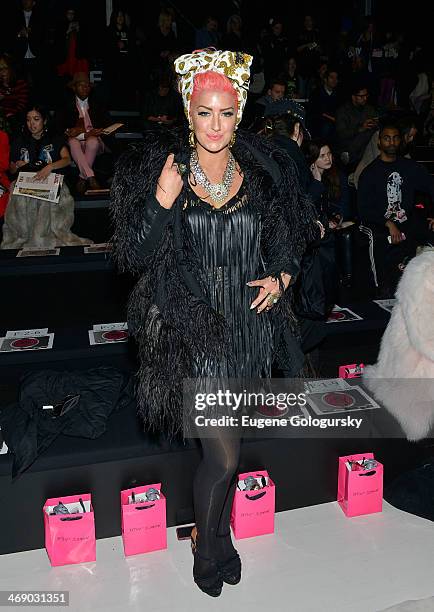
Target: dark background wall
<point>412,18</point>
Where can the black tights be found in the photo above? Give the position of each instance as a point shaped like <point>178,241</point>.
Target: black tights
<point>214,488</point>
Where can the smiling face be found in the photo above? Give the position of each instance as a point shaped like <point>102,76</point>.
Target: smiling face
<point>35,123</point>
<point>213,116</point>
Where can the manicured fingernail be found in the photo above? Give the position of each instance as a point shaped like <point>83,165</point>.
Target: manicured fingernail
<point>249,283</point>
<point>252,306</point>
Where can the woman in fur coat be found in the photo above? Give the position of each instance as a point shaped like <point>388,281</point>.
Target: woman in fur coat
<point>215,224</point>
<point>403,377</point>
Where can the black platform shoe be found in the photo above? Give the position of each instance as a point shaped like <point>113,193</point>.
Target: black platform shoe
<point>230,569</point>
<point>210,582</point>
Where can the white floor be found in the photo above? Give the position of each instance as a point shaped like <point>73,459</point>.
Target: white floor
<point>318,560</point>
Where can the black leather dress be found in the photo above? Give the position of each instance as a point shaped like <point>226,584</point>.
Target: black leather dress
<point>227,244</point>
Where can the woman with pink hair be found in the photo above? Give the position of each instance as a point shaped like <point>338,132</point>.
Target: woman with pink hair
<point>214,222</point>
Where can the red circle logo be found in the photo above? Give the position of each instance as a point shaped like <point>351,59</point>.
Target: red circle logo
<point>22,343</point>
<point>115,335</point>
<point>271,411</point>
<point>336,316</point>
<point>339,399</point>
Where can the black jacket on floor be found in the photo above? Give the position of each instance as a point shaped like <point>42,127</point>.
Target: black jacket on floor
<point>29,429</point>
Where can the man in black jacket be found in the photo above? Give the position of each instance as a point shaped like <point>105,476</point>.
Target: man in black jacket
<point>323,106</point>
<point>356,121</point>
<point>386,202</point>
<point>28,35</point>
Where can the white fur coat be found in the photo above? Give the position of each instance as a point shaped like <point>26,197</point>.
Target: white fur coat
<point>403,377</point>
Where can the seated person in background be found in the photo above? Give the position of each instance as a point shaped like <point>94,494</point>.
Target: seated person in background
<point>121,61</point>
<point>408,129</point>
<point>30,222</point>
<point>13,92</point>
<point>82,120</point>
<point>70,45</point>
<point>208,35</point>
<point>323,105</point>
<point>27,28</point>
<point>163,105</point>
<point>314,81</point>
<point>309,45</point>
<point>331,196</point>
<point>420,97</point>
<point>386,203</point>
<point>429,129</point>
<point>329,185</point>
<point>295,84</point>
<point>4,166</point>
<point>275,93</point>
<point>356,121</point>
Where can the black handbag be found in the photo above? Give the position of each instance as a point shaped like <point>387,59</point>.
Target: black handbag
<point>317,284</point>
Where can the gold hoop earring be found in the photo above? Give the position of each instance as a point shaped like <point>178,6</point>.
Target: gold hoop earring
<point>192,139</point>
<point>232,141</point>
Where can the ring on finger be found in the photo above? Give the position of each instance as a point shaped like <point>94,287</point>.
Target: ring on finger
<point>272,298</point>
<point>180,168</point>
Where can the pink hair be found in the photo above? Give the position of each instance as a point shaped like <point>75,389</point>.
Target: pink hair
<point>213,81</point>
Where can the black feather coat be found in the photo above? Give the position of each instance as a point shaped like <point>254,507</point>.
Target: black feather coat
<point>168,312</point>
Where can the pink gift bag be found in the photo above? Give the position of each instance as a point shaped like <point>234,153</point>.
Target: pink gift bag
<point>253,511</point>
<point>144,522</point>
<point>360,491</point>
<point>352,370</point>
<point>70,538</point>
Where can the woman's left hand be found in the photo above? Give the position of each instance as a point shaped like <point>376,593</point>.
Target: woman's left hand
<point>42,174</point>
<point>269,289</point>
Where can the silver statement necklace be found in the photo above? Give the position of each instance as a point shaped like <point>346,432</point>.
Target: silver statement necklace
<point>218,192</point>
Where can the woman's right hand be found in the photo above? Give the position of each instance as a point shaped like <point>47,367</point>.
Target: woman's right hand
<point>315,172</point>
<point>169,184</point>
